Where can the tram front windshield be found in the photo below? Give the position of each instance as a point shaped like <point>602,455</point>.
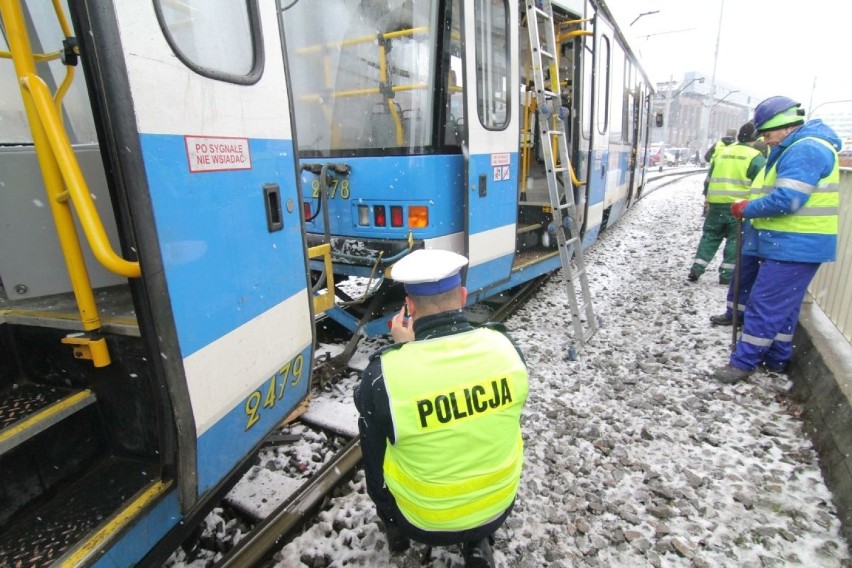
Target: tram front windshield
<point>363,75</point>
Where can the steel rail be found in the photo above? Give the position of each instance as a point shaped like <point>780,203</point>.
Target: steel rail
<point>678,176</point>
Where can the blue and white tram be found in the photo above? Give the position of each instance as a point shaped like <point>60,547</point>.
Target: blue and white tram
<point>415,121</point>
<point>134,386</point>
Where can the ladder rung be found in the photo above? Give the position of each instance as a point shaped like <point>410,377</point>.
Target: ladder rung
<point>546,53</point>
<point>549,94</point>
<point>557,170</point>
<point>556,133</point>
<point>541,12</point>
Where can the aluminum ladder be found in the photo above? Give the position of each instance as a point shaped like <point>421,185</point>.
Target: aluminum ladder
<point>552,134</point>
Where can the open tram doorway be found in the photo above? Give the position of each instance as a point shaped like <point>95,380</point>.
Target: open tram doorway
<point>535,232</point>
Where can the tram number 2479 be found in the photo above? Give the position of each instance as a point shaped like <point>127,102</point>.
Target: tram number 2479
<point>273,391</point>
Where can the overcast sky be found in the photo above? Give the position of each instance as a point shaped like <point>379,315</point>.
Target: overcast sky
<point>766,47</point>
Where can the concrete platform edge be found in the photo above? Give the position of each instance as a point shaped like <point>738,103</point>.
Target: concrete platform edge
<point>821,372</point>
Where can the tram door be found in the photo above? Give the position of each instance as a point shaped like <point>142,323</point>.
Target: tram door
<point>491,116</point>
<point>197,111</point>
<point>599,77</point>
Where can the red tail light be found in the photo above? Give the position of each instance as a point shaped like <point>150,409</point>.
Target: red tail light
<point>396,216</point>
<point>379,215</point>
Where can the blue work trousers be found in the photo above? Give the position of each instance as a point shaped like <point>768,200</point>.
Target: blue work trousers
<point>749,266</point>
<point>773,296</point>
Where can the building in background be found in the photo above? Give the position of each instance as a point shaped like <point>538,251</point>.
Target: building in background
<point>688,108</point>
<point>838,115</point>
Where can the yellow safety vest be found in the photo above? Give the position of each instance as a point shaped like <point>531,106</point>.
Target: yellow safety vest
<point>456,403</point>
<point>730,181</point>
<point>819,214</point>
<point>717,147</point>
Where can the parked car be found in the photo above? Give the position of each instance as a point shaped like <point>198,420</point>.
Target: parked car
<point>677,156</point>
<point>656,154</point>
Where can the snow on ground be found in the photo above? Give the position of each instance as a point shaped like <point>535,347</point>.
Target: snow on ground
<point>634,457</point>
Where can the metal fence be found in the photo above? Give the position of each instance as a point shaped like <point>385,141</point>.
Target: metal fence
<point>830,287</point>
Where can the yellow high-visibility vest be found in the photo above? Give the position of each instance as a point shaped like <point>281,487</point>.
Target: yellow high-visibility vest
<point>456,403</point>
<point>730,181</point>
<point>819,214</point>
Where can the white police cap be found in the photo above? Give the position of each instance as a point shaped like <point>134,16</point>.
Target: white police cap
<point>429,272</point>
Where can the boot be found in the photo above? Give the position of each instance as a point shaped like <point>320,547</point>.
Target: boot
<point>478,554</point>
<point>722,319</point>
<point>729,374</point>
<point>693,276</point>
<point>726,319</point>
<point>397,541</point>
<point>772,367</point>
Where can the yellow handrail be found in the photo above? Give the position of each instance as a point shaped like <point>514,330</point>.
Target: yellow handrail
<point>324,97</point>
<point>74,180</point>
<point>361,40</point>
<point>69,69</point>
<point>40,57</point>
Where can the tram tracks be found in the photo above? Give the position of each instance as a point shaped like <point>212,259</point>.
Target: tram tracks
<point>270,533</point>
<point>662,180</point>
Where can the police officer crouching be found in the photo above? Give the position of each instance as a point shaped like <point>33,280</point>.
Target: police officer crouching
<point>440,416</point>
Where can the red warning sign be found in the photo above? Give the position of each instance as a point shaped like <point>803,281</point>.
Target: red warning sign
<point>217,154</point>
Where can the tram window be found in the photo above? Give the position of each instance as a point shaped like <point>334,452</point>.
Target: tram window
<point>492,64</point>
<point>454,128</point>
<point>219,39</point>
<point>45,37</point>
<point>586,85</point>
<point>365,83</point>
<point>602,91</point>
<point>618,95</point>
<point>629,101</point>
<point>13,118</point>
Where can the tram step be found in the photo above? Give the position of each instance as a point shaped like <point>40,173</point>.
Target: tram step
<point>44,534</point>
<point>525,228</point>
<point>50,437</point>
<point>28,409</point>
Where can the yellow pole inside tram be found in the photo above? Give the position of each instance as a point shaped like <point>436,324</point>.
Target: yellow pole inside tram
<point>383,78</point>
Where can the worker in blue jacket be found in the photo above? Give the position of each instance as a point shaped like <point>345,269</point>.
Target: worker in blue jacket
<point>790,228</point>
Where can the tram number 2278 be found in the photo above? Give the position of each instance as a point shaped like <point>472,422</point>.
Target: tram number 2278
<point>266,397</point>
<point>335,187</point>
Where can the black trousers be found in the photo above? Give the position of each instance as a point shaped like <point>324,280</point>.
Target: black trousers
<point>443,538</point>
<point>390,514</point>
